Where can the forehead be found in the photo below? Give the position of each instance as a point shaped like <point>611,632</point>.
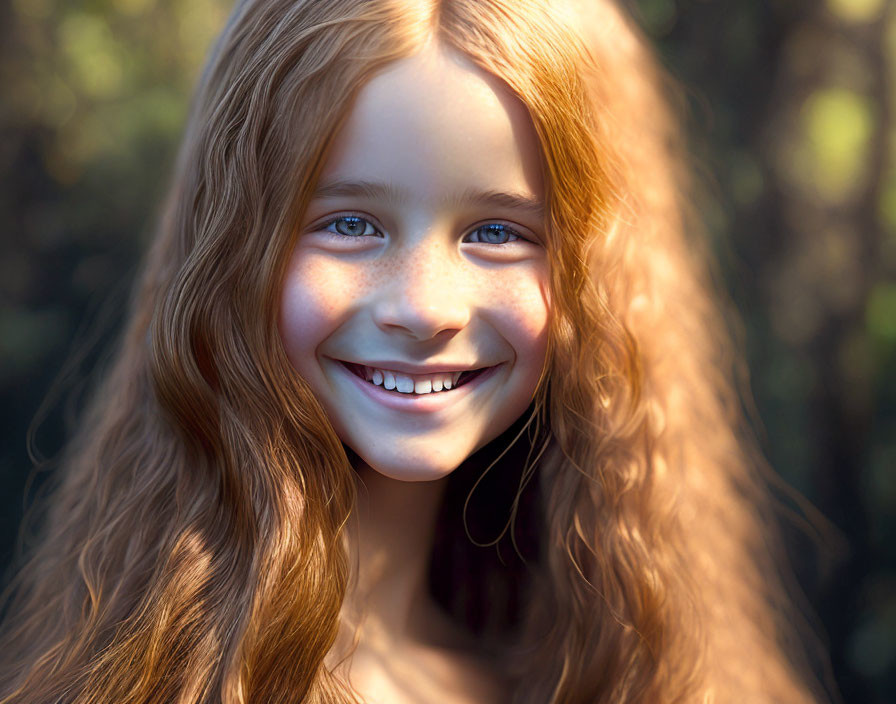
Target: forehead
<point>434,121</point>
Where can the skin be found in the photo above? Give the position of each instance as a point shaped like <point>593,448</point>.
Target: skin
<point>430,131</point>
<point>419,280</point>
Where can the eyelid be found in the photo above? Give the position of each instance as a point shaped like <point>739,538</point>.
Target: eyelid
<point>321,224</point>
<point>523,234</point>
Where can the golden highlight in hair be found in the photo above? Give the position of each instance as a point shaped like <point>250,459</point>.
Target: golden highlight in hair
<point>193,550</point>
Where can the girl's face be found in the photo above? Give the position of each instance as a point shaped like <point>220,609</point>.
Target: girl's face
<point>421,259</point>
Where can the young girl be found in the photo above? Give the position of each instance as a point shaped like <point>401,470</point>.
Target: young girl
<point>422,396</point>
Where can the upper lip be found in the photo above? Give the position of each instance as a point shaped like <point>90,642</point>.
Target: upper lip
<point>404,367</point>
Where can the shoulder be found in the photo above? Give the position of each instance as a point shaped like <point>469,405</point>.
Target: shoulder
<point>425,674</point>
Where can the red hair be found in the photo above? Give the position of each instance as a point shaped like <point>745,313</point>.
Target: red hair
<point>194,548</point>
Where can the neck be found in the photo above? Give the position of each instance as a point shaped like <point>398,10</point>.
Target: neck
<point>395,523</point>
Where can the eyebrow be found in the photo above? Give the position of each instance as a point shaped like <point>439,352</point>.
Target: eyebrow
<point>374,190</point>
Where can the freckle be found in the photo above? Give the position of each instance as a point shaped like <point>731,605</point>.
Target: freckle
<point>330,287</point>
<point>385,271</point>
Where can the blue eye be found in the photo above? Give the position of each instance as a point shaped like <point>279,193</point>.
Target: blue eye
<point>494,233</point>
<point>351,226</point>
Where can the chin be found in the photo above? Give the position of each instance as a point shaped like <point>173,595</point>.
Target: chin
<point>406,474</point>
<point>411,468</point>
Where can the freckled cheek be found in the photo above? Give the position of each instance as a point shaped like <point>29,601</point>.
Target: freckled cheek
<point>317,297</point>
<point>521,305</point>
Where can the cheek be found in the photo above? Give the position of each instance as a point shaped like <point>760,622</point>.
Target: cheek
<point>521,305</point>
<point>314,299</point>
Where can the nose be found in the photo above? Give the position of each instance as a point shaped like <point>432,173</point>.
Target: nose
<point>428,295</point>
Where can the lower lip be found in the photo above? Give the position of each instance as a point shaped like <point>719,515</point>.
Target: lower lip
<point>418,403</point>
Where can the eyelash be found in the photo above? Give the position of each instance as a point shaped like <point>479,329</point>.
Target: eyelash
<point>492,226</point>
<point>326,225</point>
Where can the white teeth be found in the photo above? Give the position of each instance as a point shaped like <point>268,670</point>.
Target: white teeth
<point>442,381</point>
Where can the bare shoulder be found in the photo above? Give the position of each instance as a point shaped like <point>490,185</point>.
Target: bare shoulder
<point>425,675</point>
<point>475,680</point>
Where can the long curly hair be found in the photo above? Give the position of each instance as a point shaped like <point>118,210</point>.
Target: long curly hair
<point>194,547</point>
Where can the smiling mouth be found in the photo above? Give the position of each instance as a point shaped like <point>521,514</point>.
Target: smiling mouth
<point>403,385</point>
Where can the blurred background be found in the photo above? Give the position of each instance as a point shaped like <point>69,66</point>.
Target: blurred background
<point>792,112</point>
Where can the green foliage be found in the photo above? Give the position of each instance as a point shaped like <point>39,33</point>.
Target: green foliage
<point>880,314</point>
<point>838,124</point>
